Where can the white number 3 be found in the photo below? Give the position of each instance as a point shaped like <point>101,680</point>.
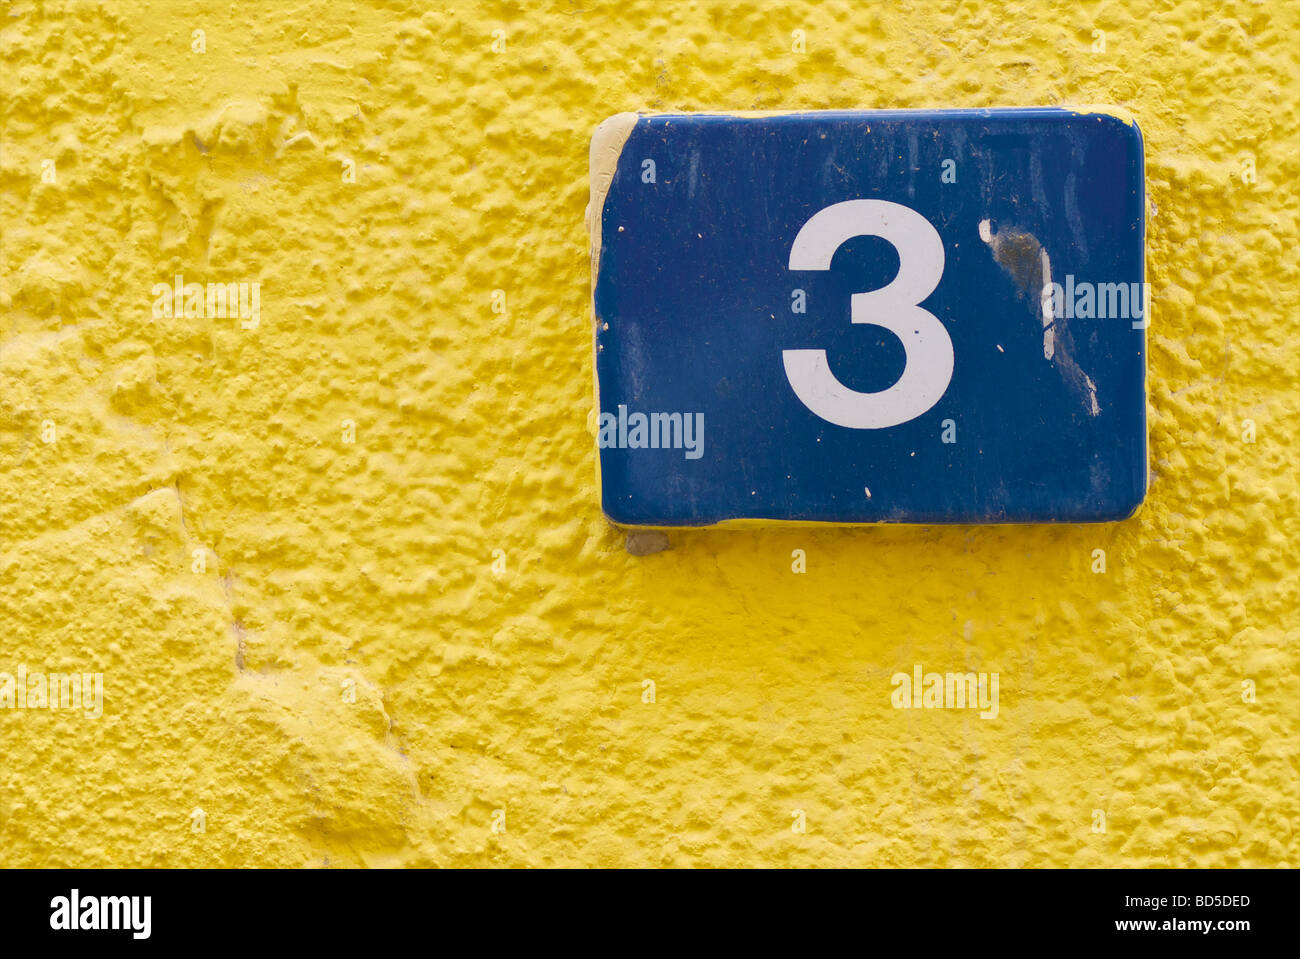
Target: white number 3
<point>926,344</point>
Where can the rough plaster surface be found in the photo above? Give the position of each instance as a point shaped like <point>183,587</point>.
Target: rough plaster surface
<point>514,681</point>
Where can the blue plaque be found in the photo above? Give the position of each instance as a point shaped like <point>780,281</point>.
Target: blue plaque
<point>856,317</point>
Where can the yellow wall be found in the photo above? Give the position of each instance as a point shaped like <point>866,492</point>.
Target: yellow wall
<point>333,567</point>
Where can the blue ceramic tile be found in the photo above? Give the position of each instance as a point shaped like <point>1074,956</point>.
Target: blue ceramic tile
<point>845,317</point>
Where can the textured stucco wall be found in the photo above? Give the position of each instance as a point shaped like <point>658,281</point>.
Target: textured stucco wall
<point>332,571</point>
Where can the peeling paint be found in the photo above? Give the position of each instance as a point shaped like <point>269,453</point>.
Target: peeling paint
<point>1023,259</point>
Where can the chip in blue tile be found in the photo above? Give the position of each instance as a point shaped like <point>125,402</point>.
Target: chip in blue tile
<point>856,317</point>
